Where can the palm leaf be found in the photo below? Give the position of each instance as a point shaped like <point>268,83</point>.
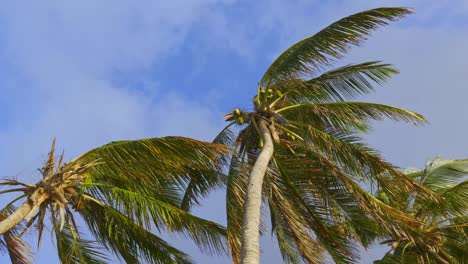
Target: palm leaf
<point>293,221</point>
<point>149,162</point>
<point>338,84</point>
<point>235,197</point>
<point>126,239</point>
<point>342,114</point>
<point>72,248</point>
<point>318,210</point>
<point>440,175</point>
<point>161,167</point>
<point>147,211</point>
<point>322,49</point>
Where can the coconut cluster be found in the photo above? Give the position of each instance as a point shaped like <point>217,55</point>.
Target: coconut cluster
<point>265,96</point>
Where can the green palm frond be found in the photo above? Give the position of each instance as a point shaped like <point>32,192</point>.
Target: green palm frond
<point>286,242</point>
<point>444,220</point>
<point>322,49</point>
<point>358,160</point>
<point>439,175</point>
<point>317,213</point>
<point>199,186</point>
<point>147,211</point>
<point>226,136</point>
<point>454,202</point>
<point>163,167</point>
<point>295,228</point>
<point>314,184</point>
<point>338,84</point>
<point>390,218</point>
<point>348,112</point>
<point>235,198</point>
<point>72,248</point>
<point>126,239</point>
<point>147,162</point>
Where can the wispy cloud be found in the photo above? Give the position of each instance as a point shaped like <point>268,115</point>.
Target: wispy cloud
<point>66,56</point>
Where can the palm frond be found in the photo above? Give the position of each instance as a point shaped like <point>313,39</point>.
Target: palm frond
<point>226,136</point>
<point>11,242</point>
<point>162,167</point>
<point>322,49</point>
<point>147,211</point>
<point>390,218</point>
<point>147,161</point>
<point>440,175</point>
<point>454,202</point>
<point>349,112</point>
<point>286,243</point>
<point>200,186</point>
<point>339,84</point>
<point>299,186</point>
<point>309,249</point>
<point>126,239</point>
<point>235,197</point>
<point>360,161</point>
<point>72,248</point>
<point>443,220</point>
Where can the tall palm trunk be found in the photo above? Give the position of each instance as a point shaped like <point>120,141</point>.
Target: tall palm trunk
<point>250,246</point>
<point>15,218</point>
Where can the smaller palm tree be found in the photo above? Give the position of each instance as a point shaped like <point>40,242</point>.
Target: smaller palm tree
<point>121,191</point>
<point>442,236</point>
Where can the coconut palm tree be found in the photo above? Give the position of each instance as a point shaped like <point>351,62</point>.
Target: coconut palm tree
<point>443,232</point>
<point>299,150</point>
<point>120,192</point>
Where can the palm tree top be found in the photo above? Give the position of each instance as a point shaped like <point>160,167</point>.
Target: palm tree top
<point>122,191</point>
<point>312,183</point>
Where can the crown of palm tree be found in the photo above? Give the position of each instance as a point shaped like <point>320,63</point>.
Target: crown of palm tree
<point>311,184</point>
<point>443,235</point>
<point>120,191</point>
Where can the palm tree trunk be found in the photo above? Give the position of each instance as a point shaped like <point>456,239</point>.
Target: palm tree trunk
<point>250,246</point>
<point>15,218</point>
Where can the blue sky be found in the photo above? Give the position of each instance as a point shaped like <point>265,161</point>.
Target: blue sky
<point>89,72</point>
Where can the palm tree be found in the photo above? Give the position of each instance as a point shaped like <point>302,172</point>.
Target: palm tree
<point>443,232</point>
<point>299,150</point>
<point>121,191</point>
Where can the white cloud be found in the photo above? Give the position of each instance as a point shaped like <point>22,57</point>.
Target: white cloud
<point>69,52</point>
